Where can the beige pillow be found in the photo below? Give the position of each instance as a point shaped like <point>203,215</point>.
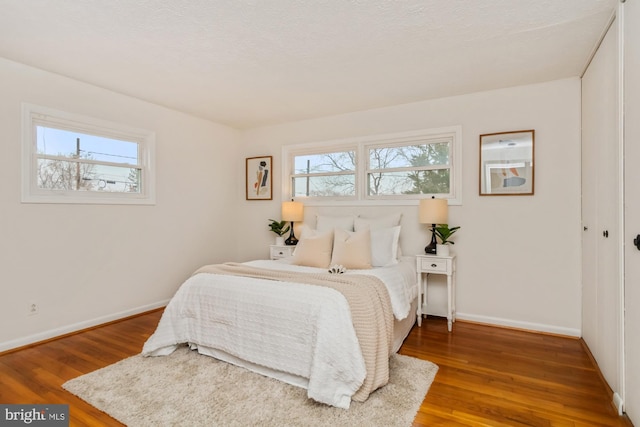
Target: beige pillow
<point>314,250</point>
<point>352,249</point>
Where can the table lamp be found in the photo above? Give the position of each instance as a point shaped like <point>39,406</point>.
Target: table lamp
<point>433,211</point>
<point>292,211</point>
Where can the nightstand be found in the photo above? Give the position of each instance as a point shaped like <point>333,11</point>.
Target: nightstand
<point>434,264</point>
<point>280,251</point>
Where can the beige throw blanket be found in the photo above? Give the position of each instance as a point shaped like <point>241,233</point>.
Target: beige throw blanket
<point>370,307</point>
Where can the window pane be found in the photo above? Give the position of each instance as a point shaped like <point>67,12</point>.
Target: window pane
<point>63,175</point>
<point>59,142</point>
<point>60,175</point>
<point>325,162</point>
<point>413,182</point>
<point>116,179</point>
<point>409,156</point>
<point>324,186</point>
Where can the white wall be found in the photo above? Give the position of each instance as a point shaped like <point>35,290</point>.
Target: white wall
<point>518,256</point>
<point>86,264</point>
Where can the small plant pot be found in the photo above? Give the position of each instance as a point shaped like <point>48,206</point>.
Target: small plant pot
<point>280,240</point>
<point>442,250</point>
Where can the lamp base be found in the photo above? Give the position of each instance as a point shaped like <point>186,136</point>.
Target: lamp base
<point>291,240</point>
<point>431,248</point>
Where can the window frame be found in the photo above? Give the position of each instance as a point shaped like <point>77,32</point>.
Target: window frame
<point>322,149</point>
<point>405,142</point>
<point>361,147</point>
<point>35,115</point>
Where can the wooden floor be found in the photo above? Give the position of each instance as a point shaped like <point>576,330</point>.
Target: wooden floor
<point>488,376</point>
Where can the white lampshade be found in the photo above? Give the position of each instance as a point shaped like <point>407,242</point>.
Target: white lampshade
<point>292,211</point>
<point>433,211</point>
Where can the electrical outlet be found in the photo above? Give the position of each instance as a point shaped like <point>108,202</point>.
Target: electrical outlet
<point>33,308</point>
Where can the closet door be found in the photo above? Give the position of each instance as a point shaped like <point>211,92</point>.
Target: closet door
<point>632,207</point>
<point>601,273</point>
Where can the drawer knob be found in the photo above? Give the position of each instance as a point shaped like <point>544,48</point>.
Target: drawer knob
<point>434,265</point>
<point>281,253</point>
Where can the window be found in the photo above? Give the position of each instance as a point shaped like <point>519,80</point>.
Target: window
<point>387,169</point>
<point>72,159</point>
<point>421,167</point>
<point>325,174</point>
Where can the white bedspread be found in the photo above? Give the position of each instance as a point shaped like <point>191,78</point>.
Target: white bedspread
<point>304,330</point>
<point>400,280</point>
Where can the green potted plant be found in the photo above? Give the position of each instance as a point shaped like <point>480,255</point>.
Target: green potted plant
<point>280,228</point>
<point>444,232</point>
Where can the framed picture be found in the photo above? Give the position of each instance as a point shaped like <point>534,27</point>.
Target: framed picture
<point>506,163</point>
<point>259,184</point>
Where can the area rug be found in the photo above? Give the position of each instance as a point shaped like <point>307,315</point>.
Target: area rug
<point>187,388</point>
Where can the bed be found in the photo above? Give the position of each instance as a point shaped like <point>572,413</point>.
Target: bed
<point>293,320</point>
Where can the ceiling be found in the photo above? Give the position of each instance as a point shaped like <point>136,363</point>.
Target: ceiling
<point>249,63</point>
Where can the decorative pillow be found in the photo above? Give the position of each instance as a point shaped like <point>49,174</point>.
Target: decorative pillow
<point>379,222</point>
<point>352,249</point>
<point>326,223</point>
<point>384,246</point>
<point>314,249</point>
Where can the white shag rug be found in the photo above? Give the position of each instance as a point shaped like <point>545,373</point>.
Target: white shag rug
<point>187,388</point>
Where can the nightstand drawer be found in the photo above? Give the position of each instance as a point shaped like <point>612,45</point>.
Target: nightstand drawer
<point>434,265</point>
<point>277,251</point>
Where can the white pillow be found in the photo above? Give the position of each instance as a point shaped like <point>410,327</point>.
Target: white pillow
<point>326,223</point>
<point>352,249</point>
<point>314,250</point>
<point>384,246</point>
<point>379,222</point>
<point>306,231</point>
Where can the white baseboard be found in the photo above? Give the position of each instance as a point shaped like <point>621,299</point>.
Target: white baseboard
<point>618,403</point>
<point>537,327</point>
<point>52,333</point>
